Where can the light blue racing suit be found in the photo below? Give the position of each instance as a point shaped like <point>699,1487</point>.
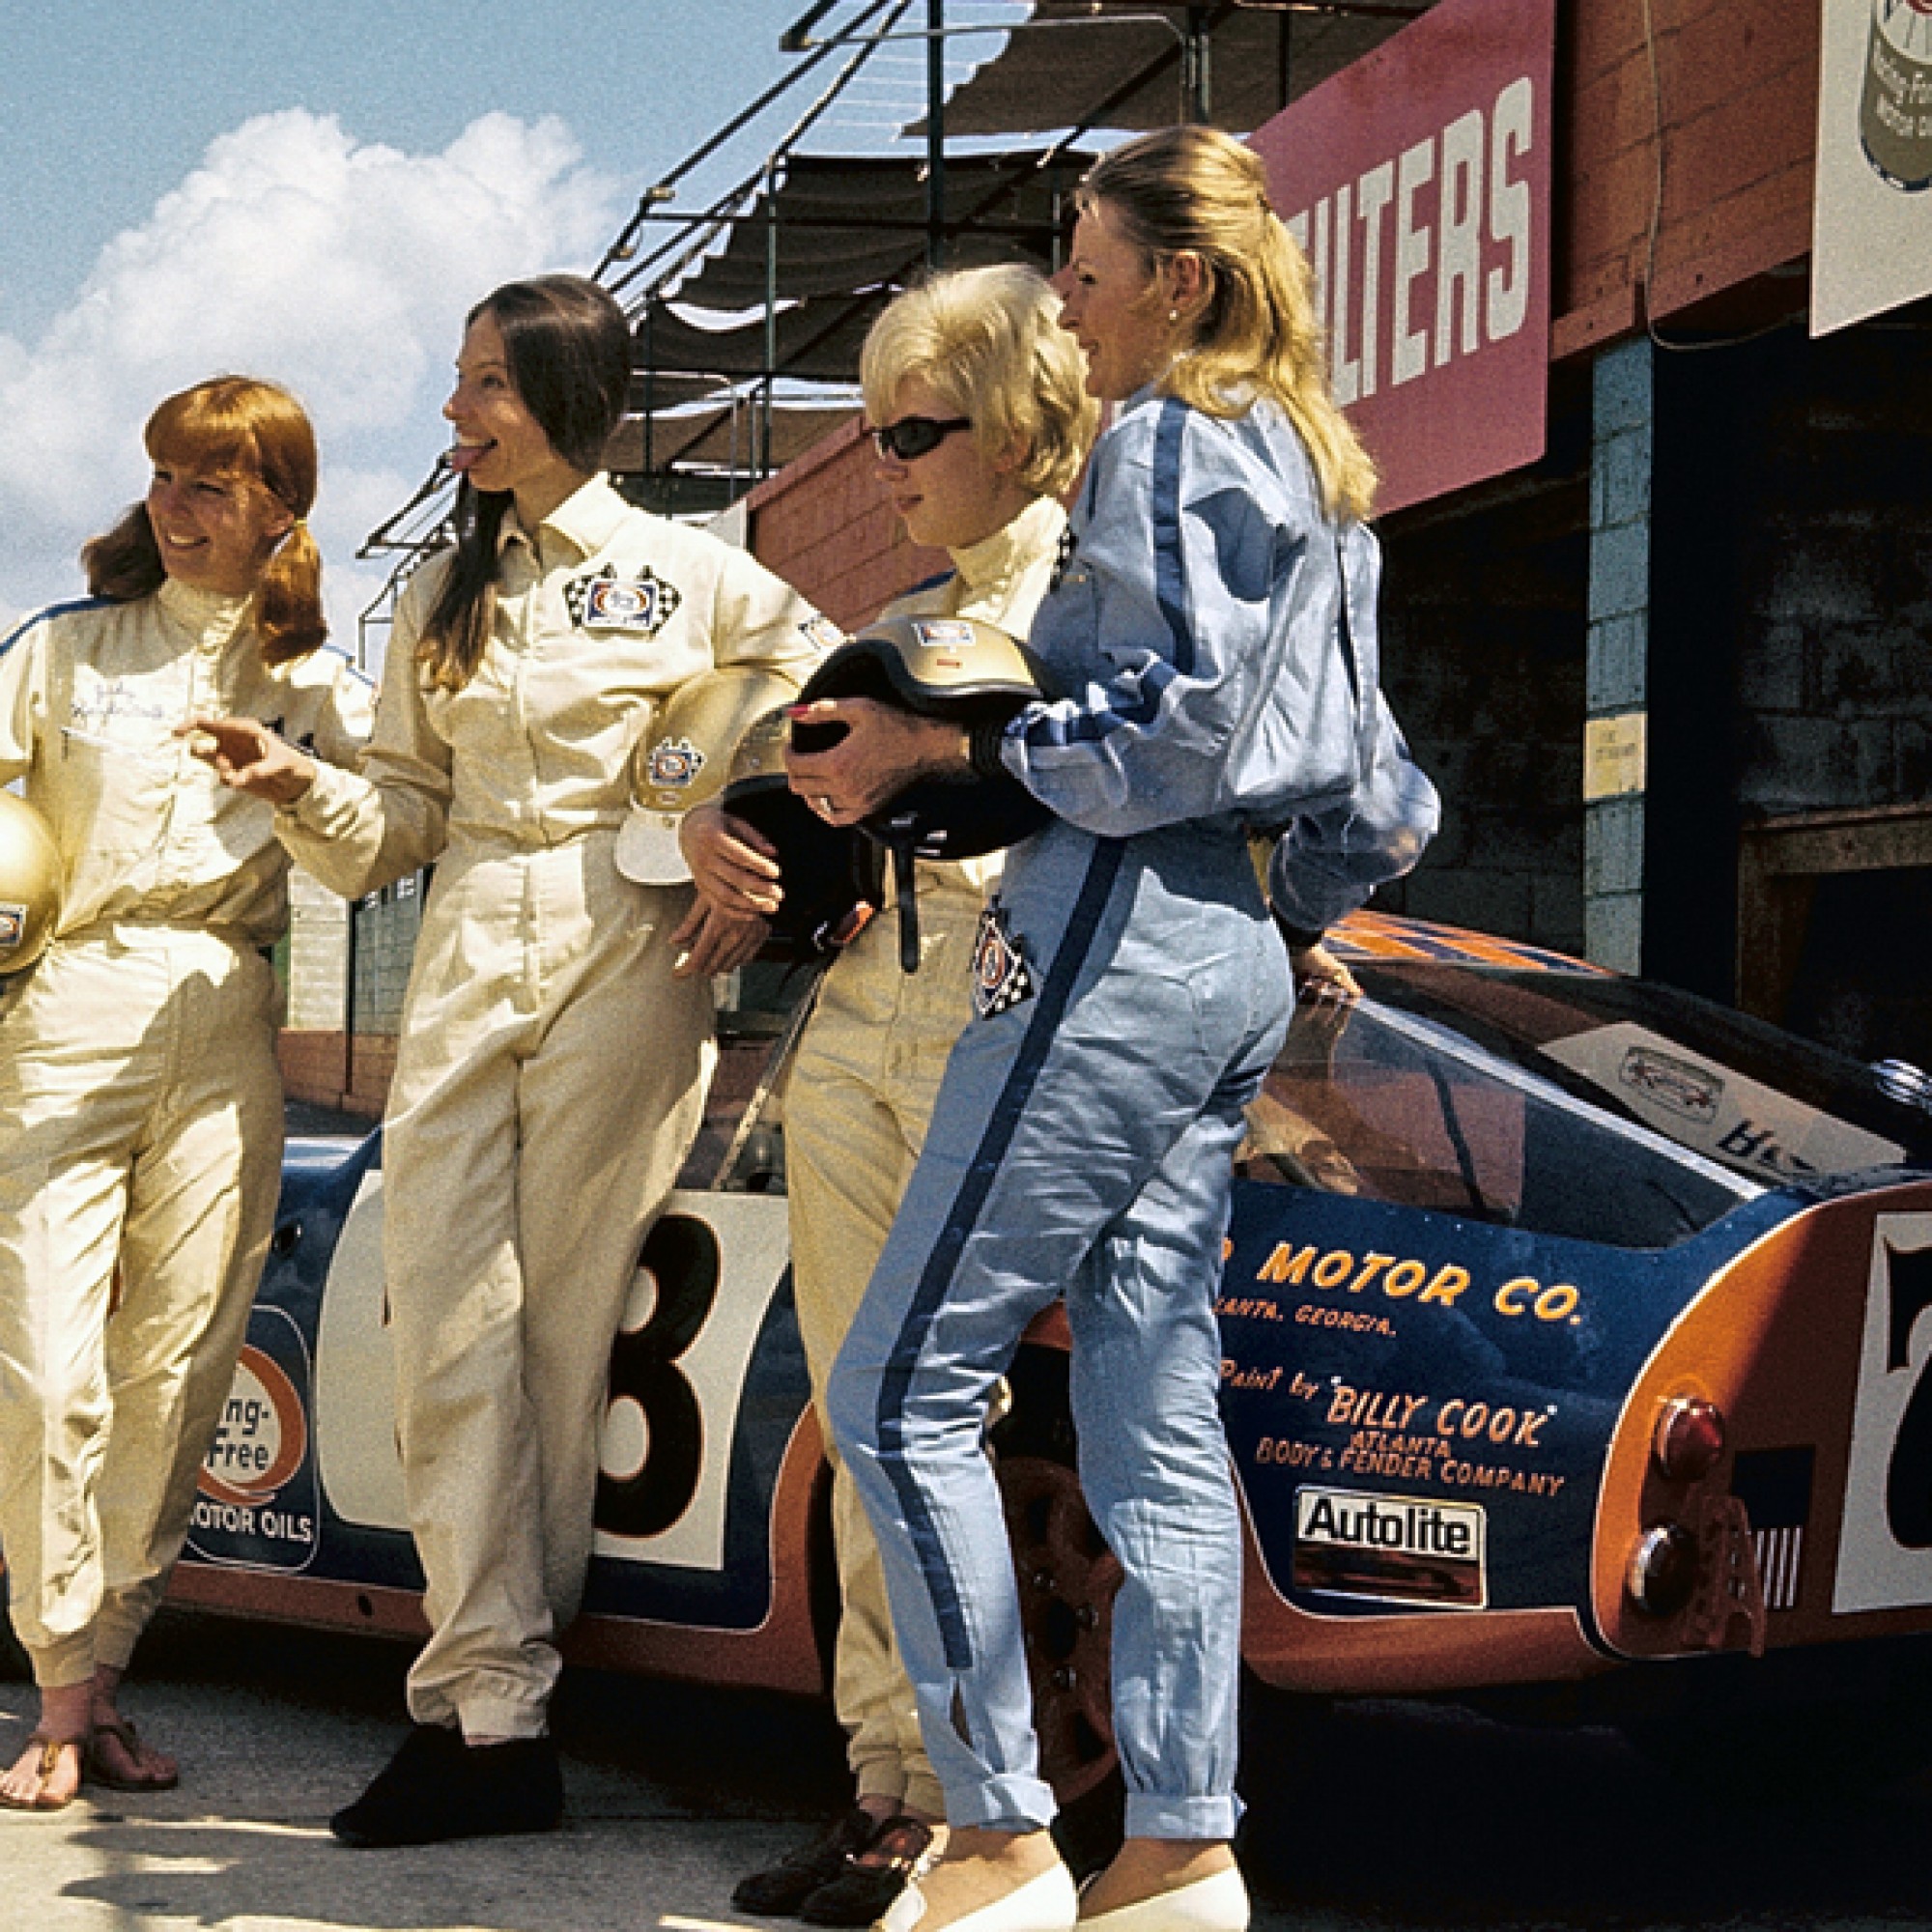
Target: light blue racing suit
<point>1130,993</point>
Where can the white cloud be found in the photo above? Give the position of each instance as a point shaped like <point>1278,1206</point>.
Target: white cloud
<point>296,253</point>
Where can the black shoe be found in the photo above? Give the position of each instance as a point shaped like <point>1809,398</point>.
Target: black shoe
<point>872,1879</point>
<point>779,1889</point>
<point>437,1787</point>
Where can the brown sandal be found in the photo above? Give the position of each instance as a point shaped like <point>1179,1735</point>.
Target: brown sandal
<point>96,1771</point>
<point>51,1750</point>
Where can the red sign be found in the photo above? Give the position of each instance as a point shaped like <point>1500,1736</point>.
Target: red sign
<point>1417,180</point>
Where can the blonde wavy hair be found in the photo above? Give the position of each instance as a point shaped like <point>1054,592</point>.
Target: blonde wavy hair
<point>1198,190</point>
<point>990,343</point>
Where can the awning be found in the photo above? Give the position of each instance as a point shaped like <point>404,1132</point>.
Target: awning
<point>839,224</point>
<point>1119,73</point>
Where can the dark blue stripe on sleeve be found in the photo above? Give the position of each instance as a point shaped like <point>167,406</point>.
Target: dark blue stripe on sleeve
<point>21,629</point>
<point>1170,573</point>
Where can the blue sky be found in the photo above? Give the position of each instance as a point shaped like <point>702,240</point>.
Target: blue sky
<point>315,192</point>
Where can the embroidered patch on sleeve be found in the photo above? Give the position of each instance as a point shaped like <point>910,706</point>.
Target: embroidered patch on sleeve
<point>1001,975</point>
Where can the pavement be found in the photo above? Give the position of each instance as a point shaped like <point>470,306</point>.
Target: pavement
<point>674,1793</point>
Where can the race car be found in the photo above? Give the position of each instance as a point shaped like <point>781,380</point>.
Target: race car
<point>1575,1363</point>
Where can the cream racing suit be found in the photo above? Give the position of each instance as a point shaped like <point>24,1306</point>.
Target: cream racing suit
<point>552,1071</point>
<point>860,1096</point>
<point>140,1105</point>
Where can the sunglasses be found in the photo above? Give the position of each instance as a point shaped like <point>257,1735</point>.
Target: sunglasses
<point>916,436</point>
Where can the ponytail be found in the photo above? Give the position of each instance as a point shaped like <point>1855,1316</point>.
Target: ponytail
<point>289,617</point>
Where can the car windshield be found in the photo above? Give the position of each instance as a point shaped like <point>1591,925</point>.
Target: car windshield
<point>1570,1104</point>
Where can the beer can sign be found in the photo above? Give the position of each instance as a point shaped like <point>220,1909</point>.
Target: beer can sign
<point>1896,110</point>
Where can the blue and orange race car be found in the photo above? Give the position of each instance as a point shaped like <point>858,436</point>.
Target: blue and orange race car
<point>1569,1325</point>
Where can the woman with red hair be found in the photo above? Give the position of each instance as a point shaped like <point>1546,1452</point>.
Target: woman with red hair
<point>142,1157</point>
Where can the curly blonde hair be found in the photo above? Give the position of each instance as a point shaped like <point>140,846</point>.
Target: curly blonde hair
<point>989,342</point>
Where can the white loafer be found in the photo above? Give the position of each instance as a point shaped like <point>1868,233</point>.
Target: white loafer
<point>1216,1903</point>
<point>1047,1903</point>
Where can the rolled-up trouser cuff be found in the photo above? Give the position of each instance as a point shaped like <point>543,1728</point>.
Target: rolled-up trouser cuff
<point>1007,1803</point>
<point>923,1794</point>
<point>1150,1815</point>
<point>880,1778</point>
<point>63,1666</point>
<point>114,1642</point>
<point>499,1718</point>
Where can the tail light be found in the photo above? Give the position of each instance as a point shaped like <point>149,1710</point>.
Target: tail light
<point>1663,1574</point>
<point>1688,1439</point>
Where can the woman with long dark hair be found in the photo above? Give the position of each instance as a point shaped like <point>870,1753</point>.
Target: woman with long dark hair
<point>552,1067</point>
<point>1211,637</point>
<point>141,1152</point>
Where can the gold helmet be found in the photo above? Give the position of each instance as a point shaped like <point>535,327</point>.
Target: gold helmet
<point>30,884</point>
<point>683,760</point>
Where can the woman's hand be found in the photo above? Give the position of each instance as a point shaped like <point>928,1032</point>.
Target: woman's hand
<point>709,941</point>
<point>1321,977</point>
<point>881,751</point>
<point>249,758</point>
<point>734,867</point>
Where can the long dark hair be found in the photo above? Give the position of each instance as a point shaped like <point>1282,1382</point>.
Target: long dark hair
<point>569,351</point>
<point>259,435</point>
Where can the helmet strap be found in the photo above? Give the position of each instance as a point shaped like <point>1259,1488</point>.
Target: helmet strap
<point>907,889</point>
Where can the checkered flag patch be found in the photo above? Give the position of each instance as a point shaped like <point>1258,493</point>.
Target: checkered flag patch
<point>1001,975</point>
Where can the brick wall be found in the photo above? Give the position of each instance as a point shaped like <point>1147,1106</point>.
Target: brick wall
<point>1737,82</point>
<point>317,1066</point>
<point>823,523</point>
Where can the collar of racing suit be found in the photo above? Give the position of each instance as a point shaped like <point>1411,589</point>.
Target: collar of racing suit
<point>208,618</point>
<point>588,519</point>
<point>988,569</point>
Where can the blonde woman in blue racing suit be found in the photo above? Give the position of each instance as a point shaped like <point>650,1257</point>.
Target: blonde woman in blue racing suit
<point>140,1155</point>
<point>980,414</point>
<point>552,1071</point>
<point>1211,641</point>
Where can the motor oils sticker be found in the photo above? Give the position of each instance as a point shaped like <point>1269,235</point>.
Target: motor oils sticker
<point>255,1506</point>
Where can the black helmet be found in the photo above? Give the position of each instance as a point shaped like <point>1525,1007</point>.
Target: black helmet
<point>832,876</point>
<point>952,667</point>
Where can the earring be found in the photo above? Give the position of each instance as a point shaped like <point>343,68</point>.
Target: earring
<point>1172,317</point>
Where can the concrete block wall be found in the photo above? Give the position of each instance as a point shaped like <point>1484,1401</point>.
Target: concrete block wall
<point>1619,640</point>
<point>386,939</point>
<point>1483,661</point>
<point>317,956</point>
<point>1834,674</point>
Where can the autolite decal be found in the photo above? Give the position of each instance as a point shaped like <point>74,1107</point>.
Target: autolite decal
<point>1405,1549</point>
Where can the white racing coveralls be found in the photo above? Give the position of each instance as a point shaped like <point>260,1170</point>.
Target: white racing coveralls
<point>859,1096</point>
<point>551,1072</point>
<point>140,1104</point>
<point>1129,994</point>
